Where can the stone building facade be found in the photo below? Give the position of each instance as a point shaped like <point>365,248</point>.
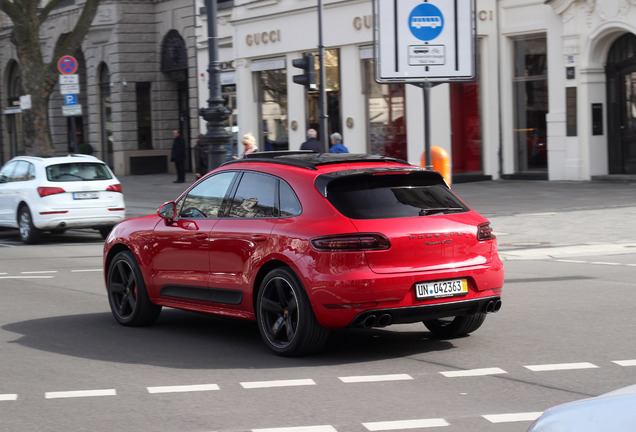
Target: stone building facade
<point>137,83</point>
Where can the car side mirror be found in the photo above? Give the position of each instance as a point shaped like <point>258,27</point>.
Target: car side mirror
<point>168,211</point>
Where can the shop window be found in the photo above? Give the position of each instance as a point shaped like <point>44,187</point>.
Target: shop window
<point>386,119</point>
<point>332,89</point>
<point>531,104</point>
<point>465,124</point>
<point>272,85</point>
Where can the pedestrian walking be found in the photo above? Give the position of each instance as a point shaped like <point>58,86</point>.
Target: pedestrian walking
<point>249,144</point>
<point>312,142</point>
<point>336,144</point>
<point>178,155</point>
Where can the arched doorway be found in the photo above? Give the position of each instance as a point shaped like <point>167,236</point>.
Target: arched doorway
<point>621,95</point>
<point>174,63</point>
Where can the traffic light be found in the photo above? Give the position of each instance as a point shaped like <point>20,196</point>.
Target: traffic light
<point>306,63</point>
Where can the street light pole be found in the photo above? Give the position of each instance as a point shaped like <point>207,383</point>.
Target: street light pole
<point>216,113</point>
<point>322,98</point>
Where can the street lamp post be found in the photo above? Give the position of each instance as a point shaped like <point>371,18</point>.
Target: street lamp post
<point>216,113</point>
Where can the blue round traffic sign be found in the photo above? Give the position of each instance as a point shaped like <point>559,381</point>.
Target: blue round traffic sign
<point>67,65</point>
<point>426,22</point>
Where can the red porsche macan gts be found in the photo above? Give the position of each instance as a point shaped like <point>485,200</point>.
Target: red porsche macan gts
<point>304,242</point>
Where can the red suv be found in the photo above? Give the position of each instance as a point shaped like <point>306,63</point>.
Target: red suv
<point>305,242</point>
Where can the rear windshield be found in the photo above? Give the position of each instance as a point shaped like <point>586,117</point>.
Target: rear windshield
<point>77,171</point>
<point>392,196</point>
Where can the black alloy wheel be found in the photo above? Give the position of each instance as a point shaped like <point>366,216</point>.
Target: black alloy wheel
<point>286,320</point>
<point>127,293</point>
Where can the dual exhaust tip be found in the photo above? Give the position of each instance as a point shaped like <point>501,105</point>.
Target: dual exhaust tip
<point>386,319</point>
<point>493,306</point>
<point>377,321</point>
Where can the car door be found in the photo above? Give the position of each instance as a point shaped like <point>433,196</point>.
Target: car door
<point>242,239</point>
<point>7,194</point>
<point>181,257</point>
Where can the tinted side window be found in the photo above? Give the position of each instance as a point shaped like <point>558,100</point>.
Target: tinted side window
<point>255,197</point>
<point>391,196</point>
<point>206,198</point>
<point>289,204</point>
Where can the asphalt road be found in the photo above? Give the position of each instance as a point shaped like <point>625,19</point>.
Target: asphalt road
<point>564,333</point>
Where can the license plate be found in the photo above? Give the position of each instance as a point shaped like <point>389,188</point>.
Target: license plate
<point>444,288</point>
<point>85,195</point>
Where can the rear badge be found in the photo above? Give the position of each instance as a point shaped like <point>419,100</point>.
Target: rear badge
<point>439,238</point>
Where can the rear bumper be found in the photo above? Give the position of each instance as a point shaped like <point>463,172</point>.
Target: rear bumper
<point>342,300</point>
<point>79,219</point>
<point>403,315</point>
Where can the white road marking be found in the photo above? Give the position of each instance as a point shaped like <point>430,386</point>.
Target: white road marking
<point>571,261</point>
<point>8,397</point>
<point>39,272</point>
<point>375,378</point>
<point>512,417</point>
<point>80,393</point>
<point>405,424</point>
<point>183,388</point>
<point>474,372</point>
<point>321,428</point>
<point>26,277</point>
<point>277,383</point>
<point>87,270</point>
<point>625,362</point>
<point>605,263</point>
<point>561,366</point>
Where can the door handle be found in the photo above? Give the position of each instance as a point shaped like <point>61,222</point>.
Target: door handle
<point>200,236</point>
<point>259,238</point>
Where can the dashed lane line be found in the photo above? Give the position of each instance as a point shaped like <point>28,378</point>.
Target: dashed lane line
<point>473,372</point>
<point>80,394</point>
<point>8,397</point>
<point>625,362</point>
<point>375,378</point>
<point>405,424</point>
<point>320,428</point>
<point>27,277</point>
<point>311,382</point>
<point>512,417</point>
<point>278,383</point>
<point>561,366</point>
<point>38,272</point>
<point>183,388</point>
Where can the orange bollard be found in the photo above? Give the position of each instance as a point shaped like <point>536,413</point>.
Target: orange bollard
<point>441,162</point>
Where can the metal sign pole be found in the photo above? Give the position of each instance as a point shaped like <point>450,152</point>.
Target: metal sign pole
<point>426,89</point>
<point>324,126</point>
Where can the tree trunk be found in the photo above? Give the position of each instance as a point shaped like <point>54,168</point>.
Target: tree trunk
<point>39,78</point>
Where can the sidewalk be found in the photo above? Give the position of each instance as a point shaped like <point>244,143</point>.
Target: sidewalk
<point>524,214</point>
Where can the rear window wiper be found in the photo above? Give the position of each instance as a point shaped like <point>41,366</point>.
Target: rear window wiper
<point>434,210</point>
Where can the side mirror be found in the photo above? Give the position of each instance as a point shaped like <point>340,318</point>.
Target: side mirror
<point>168,211</point>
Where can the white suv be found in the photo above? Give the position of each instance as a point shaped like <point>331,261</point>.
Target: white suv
<point>57,193</point>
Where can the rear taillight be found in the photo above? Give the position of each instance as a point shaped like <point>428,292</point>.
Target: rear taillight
<point>114,188</point>
<point>351,242</point>
<point>484,232</point>
<point>45,191</point>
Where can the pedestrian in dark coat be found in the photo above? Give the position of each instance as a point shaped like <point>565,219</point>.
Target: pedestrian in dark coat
<point>178,155</point>
<point>312,142</point>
